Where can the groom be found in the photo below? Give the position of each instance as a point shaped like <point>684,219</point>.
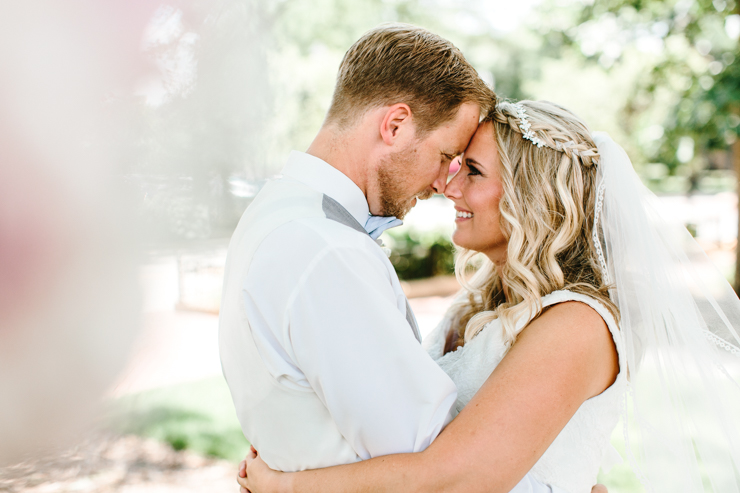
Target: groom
<point>318,344</point>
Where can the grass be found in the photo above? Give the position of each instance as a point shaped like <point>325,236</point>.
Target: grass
<point>198,416</point>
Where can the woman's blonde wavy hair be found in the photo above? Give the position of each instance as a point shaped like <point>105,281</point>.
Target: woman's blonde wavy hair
<point>547,214</point>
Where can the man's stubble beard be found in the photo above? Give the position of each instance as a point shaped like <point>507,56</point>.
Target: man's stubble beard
<point>394,200</point>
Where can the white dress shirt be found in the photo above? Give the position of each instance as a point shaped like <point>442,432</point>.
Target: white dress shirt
<point>328,315</point>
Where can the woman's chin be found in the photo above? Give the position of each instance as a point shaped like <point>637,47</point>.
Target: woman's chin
<point>459,240</point>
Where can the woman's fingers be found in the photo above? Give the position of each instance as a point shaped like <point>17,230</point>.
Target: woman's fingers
<point>241,478</point>
<point>250,458</point>
<point>242,474</point>
<point>599,488</point>
<point>243,483</point>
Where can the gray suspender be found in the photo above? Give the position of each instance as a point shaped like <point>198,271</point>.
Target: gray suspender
<point>336,212</point>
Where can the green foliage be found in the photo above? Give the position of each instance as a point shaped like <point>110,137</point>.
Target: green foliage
<point>263,78</point>
<point>417,255</point>
<point>197,416</point>
<point>265,75</point>
<point>691,81</point>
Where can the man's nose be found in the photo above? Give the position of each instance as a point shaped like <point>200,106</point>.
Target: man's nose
<point>440,183</point>
<point>439,186</point>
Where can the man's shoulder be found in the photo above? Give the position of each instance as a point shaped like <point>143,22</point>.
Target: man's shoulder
<point>302,252</point>
<point>301,211</point>
<point>291,224</point>
<point>313,236</point>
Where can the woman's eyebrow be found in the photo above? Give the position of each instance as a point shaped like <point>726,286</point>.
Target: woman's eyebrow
<point>471,160</point>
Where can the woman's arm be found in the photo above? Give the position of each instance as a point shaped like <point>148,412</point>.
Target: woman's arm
<point>560,359</point>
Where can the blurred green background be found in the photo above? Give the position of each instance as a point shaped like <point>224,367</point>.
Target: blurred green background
<point>241,83</point>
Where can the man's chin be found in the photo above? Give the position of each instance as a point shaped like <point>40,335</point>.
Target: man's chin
<point>415,200</point>
<point>425,195</point>
<point>400,210</point>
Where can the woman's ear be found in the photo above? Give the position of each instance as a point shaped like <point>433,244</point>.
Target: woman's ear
<point>397,123</point>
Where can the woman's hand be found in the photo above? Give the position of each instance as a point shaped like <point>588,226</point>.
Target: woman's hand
<point>256,477</point>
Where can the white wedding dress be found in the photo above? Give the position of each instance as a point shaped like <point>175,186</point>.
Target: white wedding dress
<point>572,461</point>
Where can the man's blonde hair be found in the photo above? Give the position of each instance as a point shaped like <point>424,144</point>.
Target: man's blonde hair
<point>547,214</point>
<point>401,63</point>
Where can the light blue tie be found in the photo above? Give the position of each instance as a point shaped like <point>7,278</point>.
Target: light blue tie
<point>375,225</point>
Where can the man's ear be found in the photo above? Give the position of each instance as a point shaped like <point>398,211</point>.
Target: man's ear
<point>396,122</point>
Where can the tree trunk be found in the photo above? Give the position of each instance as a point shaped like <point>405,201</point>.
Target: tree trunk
<point>736,162</point>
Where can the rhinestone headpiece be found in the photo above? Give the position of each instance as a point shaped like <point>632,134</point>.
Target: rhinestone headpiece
<point>525,126</point>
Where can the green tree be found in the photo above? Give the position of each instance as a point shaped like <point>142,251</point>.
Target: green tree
<point>236,84</point>
<point>692,79</point>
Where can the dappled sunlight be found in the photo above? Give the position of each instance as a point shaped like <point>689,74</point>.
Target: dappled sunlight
<point>134,134</point>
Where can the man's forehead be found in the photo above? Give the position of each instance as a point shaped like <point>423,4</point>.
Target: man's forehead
<point>458,145</point>
<point>454,136</point>
<point>455,147</point>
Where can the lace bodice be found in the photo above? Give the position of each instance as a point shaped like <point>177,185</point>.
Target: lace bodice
<point>573,459</point>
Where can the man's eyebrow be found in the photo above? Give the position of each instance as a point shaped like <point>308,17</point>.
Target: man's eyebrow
<point>451,155</point>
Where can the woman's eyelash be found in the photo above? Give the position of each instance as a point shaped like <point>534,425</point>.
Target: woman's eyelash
<point>473,170</point>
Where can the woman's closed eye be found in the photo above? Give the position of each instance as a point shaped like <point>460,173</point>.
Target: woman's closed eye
<point>472,170</point>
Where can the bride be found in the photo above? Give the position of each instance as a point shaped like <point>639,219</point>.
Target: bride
<point>578,284</point>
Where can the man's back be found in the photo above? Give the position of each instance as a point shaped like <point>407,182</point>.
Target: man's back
<point>322,363</point>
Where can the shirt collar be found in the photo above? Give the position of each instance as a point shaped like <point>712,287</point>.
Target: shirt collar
<point>325,178</point>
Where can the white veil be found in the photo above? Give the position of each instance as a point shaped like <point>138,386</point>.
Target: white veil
<point>679,321</point>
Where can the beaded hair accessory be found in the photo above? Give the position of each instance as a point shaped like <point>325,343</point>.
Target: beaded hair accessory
<point>588,155</point>
<point>525,126</point>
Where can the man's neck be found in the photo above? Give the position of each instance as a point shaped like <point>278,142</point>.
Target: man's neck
<point>343,151</point>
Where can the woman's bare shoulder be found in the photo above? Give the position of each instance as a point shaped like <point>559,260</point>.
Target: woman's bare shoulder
<point>574,329</point>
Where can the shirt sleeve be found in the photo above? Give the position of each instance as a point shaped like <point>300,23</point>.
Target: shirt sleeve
<point>359,354</point>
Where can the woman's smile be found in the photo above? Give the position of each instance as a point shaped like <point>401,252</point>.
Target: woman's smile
<point>462,215</point>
